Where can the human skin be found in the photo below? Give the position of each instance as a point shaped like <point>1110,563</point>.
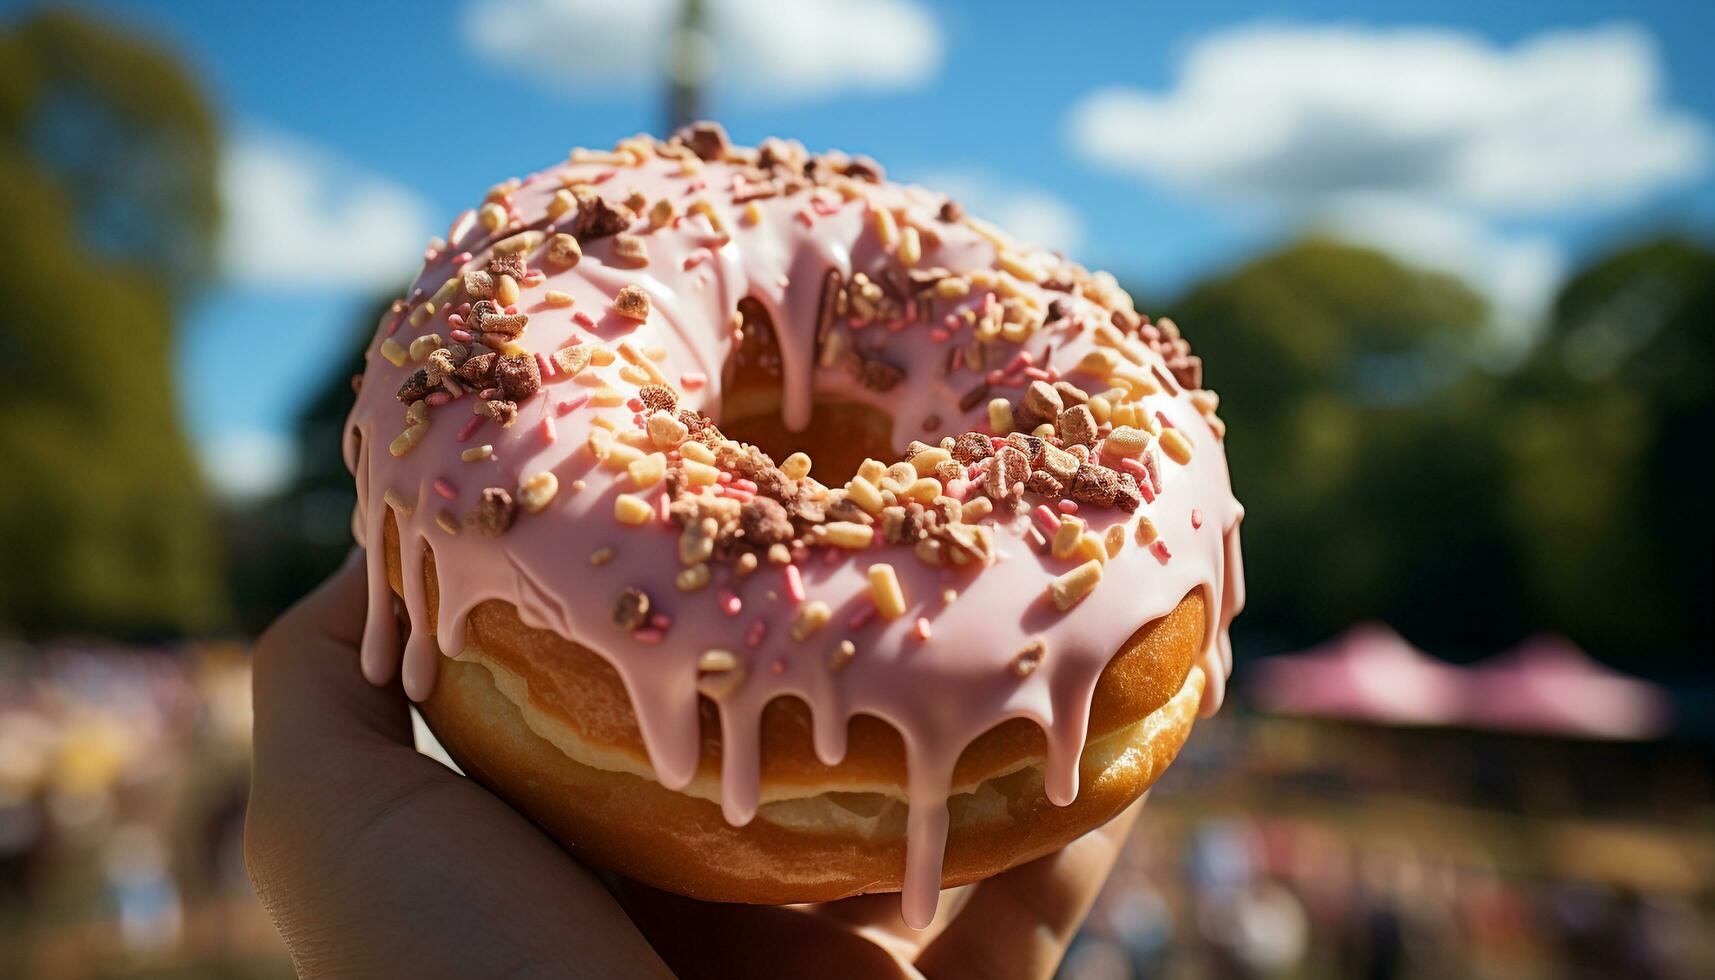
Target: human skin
<point>374,860</point>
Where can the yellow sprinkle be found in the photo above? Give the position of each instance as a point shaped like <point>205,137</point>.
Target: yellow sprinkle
<point>601,556</point>
<point>477,454</point>
<point>752,213</point>
<point>847,534</point>
<point>886,228</point>
<point>699,474</point>
<point>884,590</point>
<point>812,616</point>
<point>562,203</point>
<point>1066,537</point>
<point>841,655</point>
<point>417,413</point>
<point>631,509</point>
<point>406,441</point>
<point>697,452</point>
<point>555,297</point>
<point>662,213</point>
<point>953,287</point>
<point>926,461</point>
<point>1000,416</point>
<point>492,216</point>
<point>620,457</point>
<point>1068,589</point>
<point>1146,533</point>
<point>606,397</point>
<point>865,495</point>
<point>975,509</point>
<point>1091,545</point>
<point>647,472</point>
<point>1100,408</point>
<point>601,356</point>
<point>872,470</point>
<point>923,490</point>
<point>693,578</point>
<point>394,353</point>
<point>796,466</point>
<point>397,501</point>
<point>537,492</point>
<point>424,346</point>
<point>1175,445</point>
<point>910,246</point>
<point>1115,540</point>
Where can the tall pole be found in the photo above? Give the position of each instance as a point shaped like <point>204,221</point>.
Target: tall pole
<point>690,55</point>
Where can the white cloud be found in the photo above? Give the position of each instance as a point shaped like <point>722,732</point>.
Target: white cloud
<point>1517,273</point>
<point>1565,119</point>
<point>1026,213</point>
<point>245,464</point>
<point>774,50</point>
<point>297,215</point>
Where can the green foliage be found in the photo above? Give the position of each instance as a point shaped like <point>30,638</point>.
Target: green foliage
<point>107,163</point>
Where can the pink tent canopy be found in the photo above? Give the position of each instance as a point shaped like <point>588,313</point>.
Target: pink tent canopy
<point>1545,685</point>
<point>1548,685</point>
<point>1368,673</point>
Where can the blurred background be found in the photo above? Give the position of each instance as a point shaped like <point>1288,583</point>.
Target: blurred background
<point>1450,266</point>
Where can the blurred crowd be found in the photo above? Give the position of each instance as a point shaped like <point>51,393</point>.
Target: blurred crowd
<point>1275,847</point>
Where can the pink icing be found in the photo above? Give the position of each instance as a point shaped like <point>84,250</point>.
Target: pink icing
<point>940,673</point>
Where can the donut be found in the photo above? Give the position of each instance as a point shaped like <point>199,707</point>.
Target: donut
<point>767,531</point>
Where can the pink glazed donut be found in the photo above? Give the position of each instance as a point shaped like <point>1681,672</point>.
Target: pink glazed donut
<point>769,532</point>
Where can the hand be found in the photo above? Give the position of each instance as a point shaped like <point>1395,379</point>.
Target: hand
<point>376,861</point>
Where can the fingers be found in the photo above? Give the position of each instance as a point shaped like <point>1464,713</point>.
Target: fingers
<point>374,860</point>
<point>1018,924</point>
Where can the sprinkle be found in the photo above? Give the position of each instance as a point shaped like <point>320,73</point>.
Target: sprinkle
<point>758,629</point>
<point>719,672</point>
<point>811,617</point>
<point>397,501</point>
<point>860,617</point>
<point>1025,661</point>
<point>632,510</point>
<point>846,534</point>
<point>1146,532</point>
<point>407,440</point>
<point>571,405</point>
<point>477,454</point>
<point>538,491</point>
<point>648,634</point>
<point>1175,445</point>
<point>1046,519</point>
<point>1000,415</point>
<point>447,522</point>
<point>1114,540</point>
<point>922,628</point>
<point>693,578</point>
<point>1196,518</point>
<point>884,590</point>
<point>469,428</point>
<point>730,603</point>
<point>1160,548</point>
<point>1068,589</point>
<point>555,297</point>
<point>446,489</point>
<point>1067,506</point>
<point>549,433</point>
<point>394,352</point>
<point>601,556</point>
<point>794,583</point>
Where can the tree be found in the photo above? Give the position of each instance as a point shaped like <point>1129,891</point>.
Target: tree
<point>108,156</point>
<point>1363,445</point>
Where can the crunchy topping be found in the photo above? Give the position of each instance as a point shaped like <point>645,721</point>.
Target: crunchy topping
<point>632,303</point>
<point>494,512</point>
<point>631,609</point>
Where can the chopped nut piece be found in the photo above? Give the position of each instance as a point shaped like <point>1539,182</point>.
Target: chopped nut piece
<point>518,375</point>
<point>1025,661</point>
<point>693,578</point>
<point>564,251</point>
<point>842,655</point>
<point>719,673</point>
<point>1146,533</point>
<point>1114,540</point>
<point>601,556</point>
<point>630,251</point>
<point>1041,403</point>
<point>647,471</point>
<point>1077,427</point>
<point>1126,441</point>
<point>631,609</point>
<point>632,303</point>
<point>494,512</point>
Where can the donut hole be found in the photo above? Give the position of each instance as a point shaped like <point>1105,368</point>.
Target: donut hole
<point>841,434</point>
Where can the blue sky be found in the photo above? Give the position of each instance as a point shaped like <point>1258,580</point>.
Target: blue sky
<point>1503,142</point>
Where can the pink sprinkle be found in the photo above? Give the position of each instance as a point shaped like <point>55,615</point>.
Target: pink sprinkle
<point>823,206</point>
<point>958,358</point>
<point>952,322</point>
<point>445,489</point>
<point>730,603</point>
<point>804,217</point>
<point>861,618</point>
<point>995,377</point>
<point>957,489</point>
<point>939,335</point>
<point>1196,518</point>
<point>603,177</point>
<point>545,366</point>
<point>695,259</point>
<point>635,404</point>
<point>794,583</point>
<point>570,405</point>
<point>469,428</point>
<point>1135,468</point>
<point>461,335</point>
<point>922,628</point>
<point>461,258</point>
<point>742,496</point>
<point>692,380</point>
<point>1160,548</point>
<point>778,667</point>
<point>438,398</point>
<point>758,629</point>
<point>649,635</point>
<point>748,486</point>
<point>454,320</point>
<point>723,477</point>
<point>1045,519</point>
<point>661,621</point>
<point>1019,362</point>
<point>393,328</point>
<point>662,508</point>
<point>1068,507</point>
<point>583,319</point>
<point>1147,490</point>
<point>695,186</point>
<point>463,309</point>
<point>1037,374</point>
<point>1165,421</point>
